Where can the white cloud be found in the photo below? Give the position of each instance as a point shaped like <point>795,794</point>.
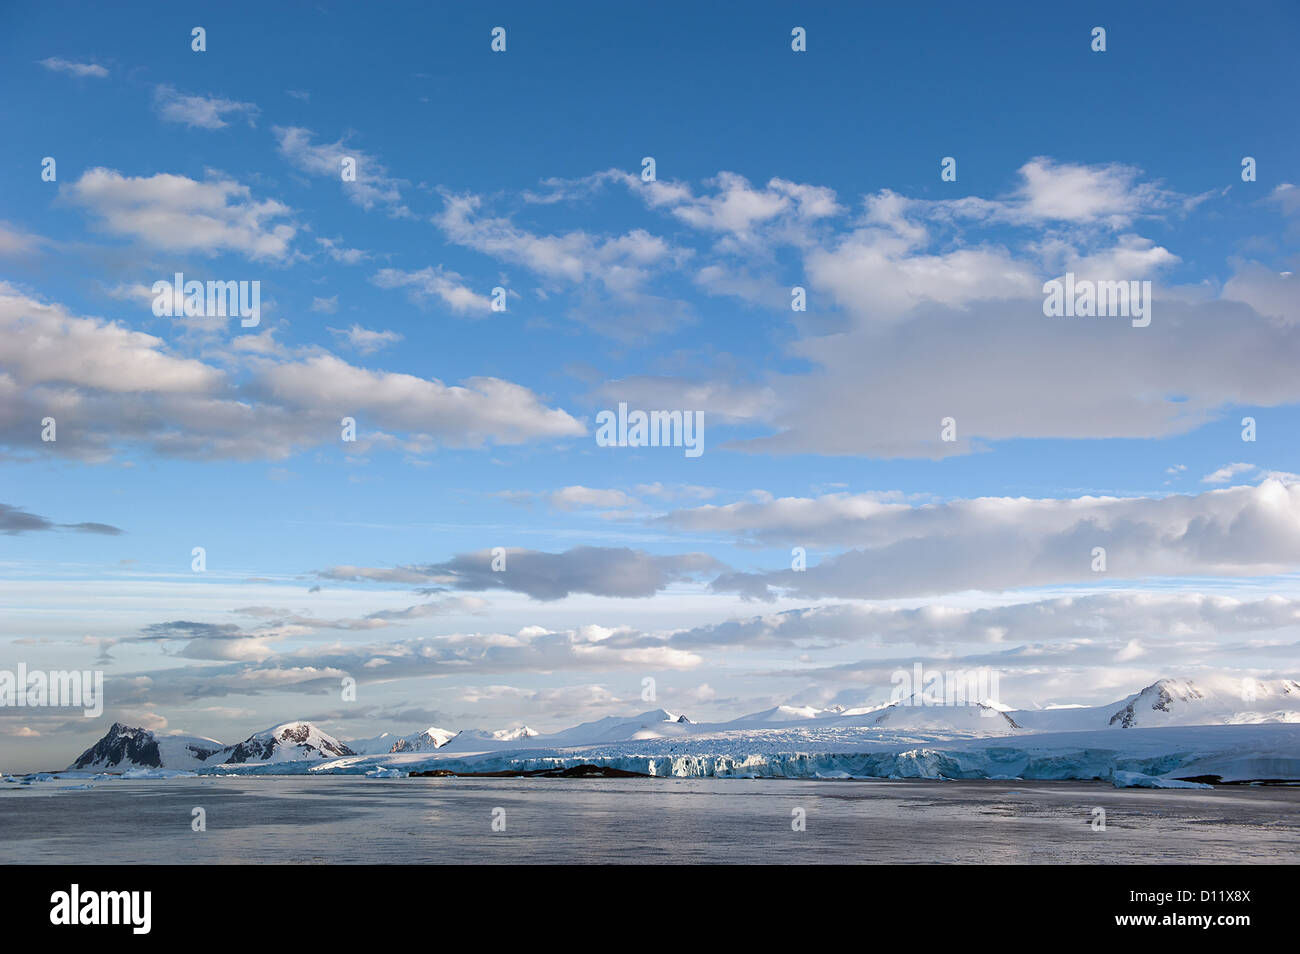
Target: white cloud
<point>995,543</point>
<point>335,249</point>
<point>621,263</point>
<point>17,243</point>
<point>1082,194</point>
<point>42,344</point>
<point>600,571</point>
<point>1269,292</point>
<point>365,340</point>
<point>110,388</point>
<point>1226,473</point>
<point>372,186</point>
<point>199,112</point>
<point>1287,197</point>
<point>481,410</point>
<point>1107,617</point>
<point>1002,370</point>
<point>177,213</point>
<point>577,496</point>
<point>435,283</point>
<point>609,274</point>
<point>59,65</point>
<point>726,401</point>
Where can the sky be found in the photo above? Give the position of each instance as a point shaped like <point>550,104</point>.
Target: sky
<point>503,267</point>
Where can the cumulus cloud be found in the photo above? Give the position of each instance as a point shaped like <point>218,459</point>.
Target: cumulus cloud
<point>43,344</point>
<point>180,214</point>
<point>883,392</point>
<point>739,209</point>
<point>467,415</point>
<point>732,401</point>
<point>997,543</point>
<point>1266,290</point>
<point>918,287</point>
<point>1069,192</point>
<point>109,387</point>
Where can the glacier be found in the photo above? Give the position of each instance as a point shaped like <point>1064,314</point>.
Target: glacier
<point>1173,733</point>
<point>1267,752</point>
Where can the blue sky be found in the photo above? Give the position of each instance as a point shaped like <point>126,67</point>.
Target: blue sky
<point>522,170</point>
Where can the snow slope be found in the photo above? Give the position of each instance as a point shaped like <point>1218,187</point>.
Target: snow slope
<point>476,740</point>
<point>380,744</point>
<point>657,723</point>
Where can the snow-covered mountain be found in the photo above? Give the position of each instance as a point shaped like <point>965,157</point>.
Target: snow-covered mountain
<point>655,724</point>
<point>424,741</point>
<point>1204,701</point>
<point>519,732</point>
<point>781,715</point>
<point>1214,701</point>
<point>284,743</point>
<point>124,747</point>
<point>977,719</point>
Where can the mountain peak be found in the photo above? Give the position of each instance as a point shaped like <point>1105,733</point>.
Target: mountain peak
<point>287,741</point>
<point>424,740</point>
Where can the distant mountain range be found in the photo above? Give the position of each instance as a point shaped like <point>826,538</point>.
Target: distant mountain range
<point>1206,701</point>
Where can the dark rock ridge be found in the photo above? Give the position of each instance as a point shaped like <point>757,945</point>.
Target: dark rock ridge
<point>122,744</point>
<point>1127,716</point>
<point>127,745</point>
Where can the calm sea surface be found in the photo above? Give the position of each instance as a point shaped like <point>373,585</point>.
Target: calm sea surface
<point>736,821</point>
